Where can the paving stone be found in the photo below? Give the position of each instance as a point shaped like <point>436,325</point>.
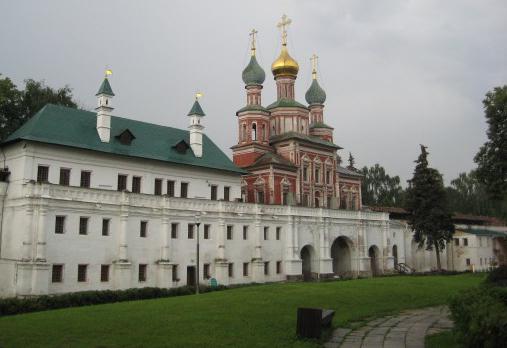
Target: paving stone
<point>341,332</point>
<point>331,345</point>
<point>378,331</point>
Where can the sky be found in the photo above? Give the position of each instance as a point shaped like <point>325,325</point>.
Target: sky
<point>397,73</point>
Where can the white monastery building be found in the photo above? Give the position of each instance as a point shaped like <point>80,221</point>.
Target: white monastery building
<point>92,201</point>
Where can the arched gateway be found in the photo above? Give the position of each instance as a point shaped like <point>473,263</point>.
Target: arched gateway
<point>341,253</point>
<point>307,254</point>
<point>373,253</point>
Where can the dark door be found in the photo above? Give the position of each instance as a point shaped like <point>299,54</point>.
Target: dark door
<point>191,275</point>
<point>307,264</point>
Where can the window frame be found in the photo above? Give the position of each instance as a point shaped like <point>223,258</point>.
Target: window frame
<point>142,274</point>
<point>104,279</point>
<point>63,218</point>
<point>81,267</point>
<point>174,230</point>
<point>64,179</point>
<point>206,231</point>
<point>85,179</point>
<point>86,228</point>
<point>136,184</point>
<point>120,185</point>
<point>42,176</point>
<point>61,270</point>
<point>143,229</point>
<point>157,189</point>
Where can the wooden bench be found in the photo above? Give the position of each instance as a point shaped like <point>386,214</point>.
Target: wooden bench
<point>311,320</point>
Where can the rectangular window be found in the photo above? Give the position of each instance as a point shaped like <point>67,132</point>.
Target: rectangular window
<point>231,270</point>
<point>468,262</point>
<point>278,233</point>
<point>65,176</point>
<point>170,188</point>
<point>184,190</point>
<point>328,176</point>
<point>60,224</point>
<point>465,241</point>
<point>266,233</point>
<point>136,184</point>
<point>81,273</point>
<point>143,230</point>
<point>206,271</point>
<point>158,187</point>
<point>122,182</point>
<point>42,173</point>
<point>317,175</point>
<point>57,274</point>
<point>104,273</point>
<point>175,273</point>
<point>227,193</point>
<point>245,269</point>
<point>229,232</point>
<point>206,231</point>
<point>85,178</point>
<point>214,189</point>
<point>245,232</point>
<point>266,268</point>
<point>83,225</point>
<point>481,261</point>
<point>260,197</point>
<point>105,226</point>
<point>278,267</point>
<point>174,230</point>
<point>190,231</point>
<point>142,272</point>
<point>305,173</point>
<point>456,241</point>
<point>285,198</point>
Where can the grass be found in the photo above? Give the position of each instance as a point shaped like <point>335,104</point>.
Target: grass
<point>443,339</point>
<point>256,316</point>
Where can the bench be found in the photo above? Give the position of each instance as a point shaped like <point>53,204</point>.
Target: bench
<point>311,320</point>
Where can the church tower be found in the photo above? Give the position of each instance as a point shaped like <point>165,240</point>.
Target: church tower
<point>104,109</point>
<point>315,97</point>
<point>195,127</point>
<point>253,119</point>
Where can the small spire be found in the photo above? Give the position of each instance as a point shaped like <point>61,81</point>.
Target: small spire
<point>314,66</point>
<point>196,108</point>
<point>282,25</point>
<point>252,42</point>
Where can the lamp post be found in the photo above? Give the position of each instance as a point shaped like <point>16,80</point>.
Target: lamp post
<point>197,223</point>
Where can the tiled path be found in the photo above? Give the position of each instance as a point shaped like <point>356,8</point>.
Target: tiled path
<point>404,330</point>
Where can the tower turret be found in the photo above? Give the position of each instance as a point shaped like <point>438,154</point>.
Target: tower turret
<point>285,68</point>
<point>196,114</point>
<point>253,75</point>
<point>104,108</point>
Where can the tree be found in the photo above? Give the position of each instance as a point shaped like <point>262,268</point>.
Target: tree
<point>352,162</point>
<point>16,106</point>
<point>380,189</point>
<point>426,200</point>
<point>492,156</point>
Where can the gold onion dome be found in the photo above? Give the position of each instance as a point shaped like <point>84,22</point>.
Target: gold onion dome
<point>285,65</point>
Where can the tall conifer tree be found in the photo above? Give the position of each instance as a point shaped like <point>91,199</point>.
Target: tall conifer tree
<point>429,218</point>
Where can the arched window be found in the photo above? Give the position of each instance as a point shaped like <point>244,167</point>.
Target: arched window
<point>243,133</point>
<point>264,136</point>
<point>254,132</point>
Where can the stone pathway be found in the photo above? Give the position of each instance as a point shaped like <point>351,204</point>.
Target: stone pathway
<point>407,329</point>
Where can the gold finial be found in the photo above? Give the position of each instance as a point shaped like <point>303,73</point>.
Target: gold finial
<point>252,42</point>
<point>284,23</point>
<point>314,66</point>
<point>198,95</point>
<point>108,72</point>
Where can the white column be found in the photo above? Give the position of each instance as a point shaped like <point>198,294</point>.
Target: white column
<point>40,255</point>
<point>123,250</point>
<point>165,237</point>
<point>28,235</point>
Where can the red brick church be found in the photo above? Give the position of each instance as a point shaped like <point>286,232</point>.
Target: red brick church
<point>286,147</point>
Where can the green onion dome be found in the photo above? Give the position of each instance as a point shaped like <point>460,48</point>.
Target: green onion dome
<point>315,94</point>
<point>253,73</point>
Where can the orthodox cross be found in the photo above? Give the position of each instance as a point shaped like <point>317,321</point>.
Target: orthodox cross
<point>252,37</point>
<point>284,23</point>
<point>314,65</point>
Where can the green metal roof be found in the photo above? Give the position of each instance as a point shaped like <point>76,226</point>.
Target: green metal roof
<point>315,94</point>
<point>252,108</point>
<point>61,125</point>
<point>307,138</point>
<point>253,73</point>
<point>286,103</point>
<point>483,232</point>
<point>105,88</point>
<point>196,109</point>
<point>320,125</point>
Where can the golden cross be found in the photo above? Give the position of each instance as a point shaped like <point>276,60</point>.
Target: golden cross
<point>284,23</point>
<point>252,36</point>
<point>314,65</point>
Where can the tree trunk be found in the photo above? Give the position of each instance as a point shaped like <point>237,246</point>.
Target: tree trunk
<point>439,266</point>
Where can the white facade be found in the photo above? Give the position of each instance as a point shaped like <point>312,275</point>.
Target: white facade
<point>31,244</point>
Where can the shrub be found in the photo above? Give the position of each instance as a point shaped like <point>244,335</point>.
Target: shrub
<point>480,317</point>
<point>498,276</point>
<point>10,306</point>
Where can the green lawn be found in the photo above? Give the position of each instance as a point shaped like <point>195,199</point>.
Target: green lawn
<point>441,340</point>
<point>256,316</point>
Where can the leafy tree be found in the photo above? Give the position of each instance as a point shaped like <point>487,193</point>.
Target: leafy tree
<point>17,106</point>
<point>426,200</point>
<point>468,195</point>
<point>352,162</point>
<point>380,189</point>
<point>492,156</point>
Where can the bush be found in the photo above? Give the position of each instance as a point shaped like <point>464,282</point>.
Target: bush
<point>10,306</point>
<point>498,276</point>
<point>480,317</point>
